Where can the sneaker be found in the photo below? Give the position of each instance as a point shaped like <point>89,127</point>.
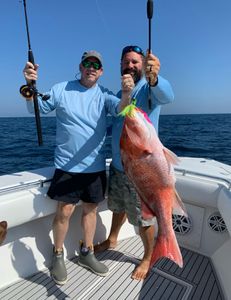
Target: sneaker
<point>88,260</point>
<point>58,268</point>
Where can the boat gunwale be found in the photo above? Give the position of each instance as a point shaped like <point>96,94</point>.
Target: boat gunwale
<point>220,180</point>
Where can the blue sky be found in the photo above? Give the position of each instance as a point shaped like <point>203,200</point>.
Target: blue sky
<point>191,38</point>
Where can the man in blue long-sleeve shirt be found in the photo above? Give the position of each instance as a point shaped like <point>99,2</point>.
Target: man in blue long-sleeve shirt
<point>81,107</point>
<point>151,92</point>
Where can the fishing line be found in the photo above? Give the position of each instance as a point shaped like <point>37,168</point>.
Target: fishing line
<point>100,13</point>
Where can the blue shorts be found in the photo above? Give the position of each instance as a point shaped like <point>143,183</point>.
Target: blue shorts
<point>72,187</point>
<point>122,197</point>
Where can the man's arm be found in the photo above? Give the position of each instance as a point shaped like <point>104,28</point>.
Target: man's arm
<point>161,89</point>
<point>162,92</point>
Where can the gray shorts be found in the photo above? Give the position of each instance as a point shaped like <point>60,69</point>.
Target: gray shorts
<point>122,197</point>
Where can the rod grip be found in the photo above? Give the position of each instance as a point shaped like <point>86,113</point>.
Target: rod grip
<point>31,56</point>
<point>150,9</point>
<point>36,106</point>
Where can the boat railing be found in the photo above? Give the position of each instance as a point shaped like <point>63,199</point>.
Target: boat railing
<point>39,183</point>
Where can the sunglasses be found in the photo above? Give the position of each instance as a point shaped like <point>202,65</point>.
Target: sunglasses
<point>87,64</point>
<point>130,49</point>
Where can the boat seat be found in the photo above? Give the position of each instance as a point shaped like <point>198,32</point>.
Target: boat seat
<point>197,191</point>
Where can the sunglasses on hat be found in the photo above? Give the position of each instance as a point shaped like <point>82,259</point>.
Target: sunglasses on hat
<point>132,49</point>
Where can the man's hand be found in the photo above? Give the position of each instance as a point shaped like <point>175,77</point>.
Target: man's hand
<point>151,68</point>
<point>30,72</point>
<point>128,84</point>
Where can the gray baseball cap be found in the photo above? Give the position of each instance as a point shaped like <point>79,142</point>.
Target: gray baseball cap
<point>92,53</point>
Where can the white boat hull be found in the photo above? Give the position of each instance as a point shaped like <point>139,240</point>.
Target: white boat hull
<point>204,186</point>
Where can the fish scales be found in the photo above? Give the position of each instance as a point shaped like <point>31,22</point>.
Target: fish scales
<point>149,166</point>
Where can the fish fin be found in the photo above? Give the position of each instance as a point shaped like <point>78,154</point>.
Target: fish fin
<point>167,247</point>
<point>147,212</point>
<point>170,156</point>
<point>178,205</point>
<point>136,140</point>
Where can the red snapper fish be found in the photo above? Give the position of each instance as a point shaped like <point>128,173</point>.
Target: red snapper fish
<point>149,166</point>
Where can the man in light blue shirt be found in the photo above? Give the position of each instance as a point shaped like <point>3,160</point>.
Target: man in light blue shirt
<point>151,92</point>
<point>81,107</point>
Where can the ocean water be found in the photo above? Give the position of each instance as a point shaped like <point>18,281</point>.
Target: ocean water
<point>207,136</point>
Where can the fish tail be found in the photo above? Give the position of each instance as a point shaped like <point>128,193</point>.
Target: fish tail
<point>167,247</point>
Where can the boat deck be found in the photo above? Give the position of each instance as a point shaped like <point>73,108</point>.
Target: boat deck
<point>196,280</point>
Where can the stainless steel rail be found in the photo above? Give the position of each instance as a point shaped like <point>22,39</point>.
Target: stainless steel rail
<point>24,186</point>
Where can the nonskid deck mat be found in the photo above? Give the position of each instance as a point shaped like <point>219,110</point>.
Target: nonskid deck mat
<point>195,281</point>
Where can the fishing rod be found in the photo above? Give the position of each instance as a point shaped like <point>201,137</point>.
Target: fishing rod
<point>30,90</point>
<point>149,15</point>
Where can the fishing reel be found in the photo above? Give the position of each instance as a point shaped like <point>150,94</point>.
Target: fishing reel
<point>28,92</point>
